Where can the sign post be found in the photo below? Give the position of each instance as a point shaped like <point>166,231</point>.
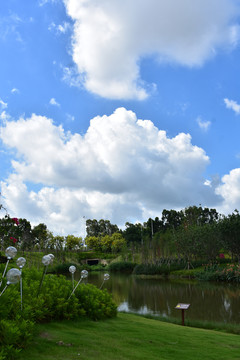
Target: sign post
<point>182,307</point>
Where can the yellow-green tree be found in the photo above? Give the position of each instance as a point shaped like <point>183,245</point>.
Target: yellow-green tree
<point>118,242</point>
<point>93,242</point>
<point>73,242</point>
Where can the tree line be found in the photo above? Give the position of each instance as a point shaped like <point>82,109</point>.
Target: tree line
<point>191,233</point>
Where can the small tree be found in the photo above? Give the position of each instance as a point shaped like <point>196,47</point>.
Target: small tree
<point>118,242</point>
<point>73,242</point>
<point>106,243</point>
<point>93,243</point>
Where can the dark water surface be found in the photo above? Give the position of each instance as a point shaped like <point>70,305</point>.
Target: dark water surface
<point>209,301</point>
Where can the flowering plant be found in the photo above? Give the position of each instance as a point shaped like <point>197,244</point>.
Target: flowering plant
<point>13,239</point>
<point>16,221</point>
<point>10,231</point>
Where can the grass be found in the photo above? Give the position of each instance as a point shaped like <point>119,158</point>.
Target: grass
<point>129,337</point>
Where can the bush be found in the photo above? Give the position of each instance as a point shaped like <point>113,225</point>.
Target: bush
<point>151,269</point>
<point>52,303</point>
<point>96,304</point>
<point>94,255</point>
<point>123,266</point>
<point>14,336</point>
<point>231,273</point>
<point>62,268</point>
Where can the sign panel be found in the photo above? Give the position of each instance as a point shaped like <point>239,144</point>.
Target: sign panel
<point>182,306</point>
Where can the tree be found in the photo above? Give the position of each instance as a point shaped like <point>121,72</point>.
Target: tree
<point>27,240</point>
<point>10,231</point>
<point>100,228</point>
<point>106,243</point>
<point>56,243</point>
<point>118,242</point>
<point>92,227</point>
<point>186,243</point>
<point>106,228</point>
<point>230,231</point>
<point>199,242</point>
<point>172,219</point>
<point>194,215</point>
<point>153,226</point>
<point>209,241</point>
<point>73,242</point>
<point>133,233</point>
<point>93,242</point>
<point>41,235</point>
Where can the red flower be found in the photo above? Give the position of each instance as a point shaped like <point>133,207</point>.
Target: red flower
<point>13,239</point>
<point>15,220</point>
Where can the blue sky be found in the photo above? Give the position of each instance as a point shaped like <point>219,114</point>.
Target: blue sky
<point>118,109</point>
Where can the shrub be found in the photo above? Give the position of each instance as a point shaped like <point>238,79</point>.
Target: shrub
<point>14,335</point>
<point>151,269</point>
<point>123,266</point>
<point>96,304</point>
<point>62,268</point>
<point>52,303</point>
<point>94,255</point>
<point>231,273</point>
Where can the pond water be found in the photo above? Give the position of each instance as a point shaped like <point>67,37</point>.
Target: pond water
<point>210,302</point>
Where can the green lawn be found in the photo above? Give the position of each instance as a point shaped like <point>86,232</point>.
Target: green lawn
<point>129,337</point>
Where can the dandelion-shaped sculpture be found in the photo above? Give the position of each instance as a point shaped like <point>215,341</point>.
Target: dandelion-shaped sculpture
<point>21,261</point>
<point>52,258</point>
<point>72,270</point>
<point>10,253</point>
<point>105,278</point>
<point>46,260</point>
<point>84,275</point>
<point>13,277</point>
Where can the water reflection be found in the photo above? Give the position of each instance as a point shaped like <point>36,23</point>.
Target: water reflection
<point>212,302</point>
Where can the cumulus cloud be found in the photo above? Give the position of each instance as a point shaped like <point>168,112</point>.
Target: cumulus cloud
<point>233,105</point>
<point>111,37</point>
<point>229,190</point>
<point>122,168</point>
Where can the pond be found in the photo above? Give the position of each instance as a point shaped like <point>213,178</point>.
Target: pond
<point>209,301</point>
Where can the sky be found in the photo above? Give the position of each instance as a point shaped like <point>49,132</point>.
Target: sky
<point>118,109</point>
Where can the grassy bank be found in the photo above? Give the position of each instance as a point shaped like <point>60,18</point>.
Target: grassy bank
<point>129,337</point>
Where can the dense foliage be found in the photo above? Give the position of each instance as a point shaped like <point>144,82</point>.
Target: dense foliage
<point>107,244</point>
<point>53,303</point>
<point>122,266</point>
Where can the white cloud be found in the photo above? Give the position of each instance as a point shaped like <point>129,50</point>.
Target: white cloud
<point>70,118</point>
<point>44,2</point>
<point>4,116</point>
<point>122,168</point>
<point>14,91</point>
<point>54,102</point>
<point>203,124</point>
<point>233,105</point>
<point>3,105</point>
<point>229,190</point>
<point>61,28</point>
<point>72,77</point>
<point>9,27</point>
<point>111,37</point>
